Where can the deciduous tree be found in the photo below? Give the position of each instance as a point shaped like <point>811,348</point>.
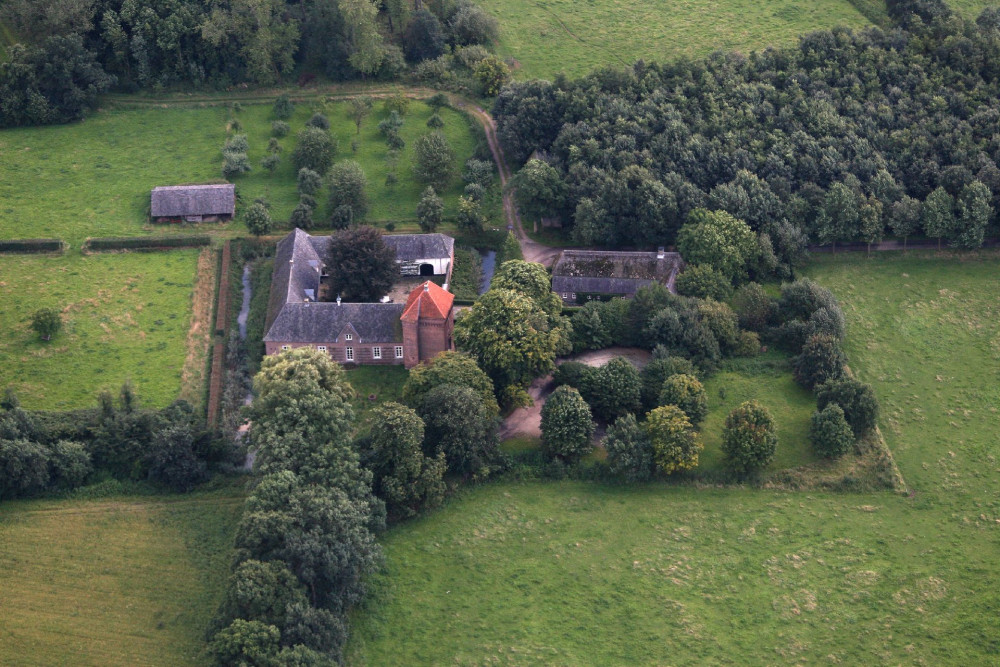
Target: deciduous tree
<point>366,265</point>
<point>749,439</point>
<point>567,426</point>
<point>673,438</point>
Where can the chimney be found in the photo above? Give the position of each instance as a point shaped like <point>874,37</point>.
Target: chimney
<point>338,299</point>
<point>427,287</point>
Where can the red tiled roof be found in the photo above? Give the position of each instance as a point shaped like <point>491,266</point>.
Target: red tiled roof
<point>427,301</point>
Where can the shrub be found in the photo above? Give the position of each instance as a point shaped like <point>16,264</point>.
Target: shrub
<point>492,75</point>
<point>754,308</point>
<point>704,282</point>
<point>69,464</point>
<point>28,246</point>
<point>720,319</point>
<point>566,426</point>
<point>315,150</point>
<point>799,300</point>
<point>673,440</point>
<point>319,120</point>
<point>687,393</point>
<point>830,433</point>
<point>747,344</point>
<point>147,242</point>
<point>308,181</point>
<point>435,122</point>
<point>855,398</point>
<point>234,164</point>
<point>630,454</point>
<point>283,107</point>
<point>821,360</point>
<point>280,128</point>
<point>748,439</point>
<point>472,25</point>
<point>257,219</point>
<point>430,210</point>
<point>24,468</point>
<point>574,374</point>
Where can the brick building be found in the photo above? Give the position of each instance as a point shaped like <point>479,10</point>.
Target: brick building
<point>358,333</point>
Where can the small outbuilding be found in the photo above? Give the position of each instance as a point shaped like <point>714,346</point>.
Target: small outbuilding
<point>193,203</point>
<point>586,275</point>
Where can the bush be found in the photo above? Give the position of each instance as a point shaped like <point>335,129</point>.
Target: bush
<point>616,390</point>
<point>748,439</point>
<point>721,321</point>
<point>280,129</point>
<point>673,439</point>
<point>799,300</point>
<point>234,164</point>
<point>27,246</point>
<point>754,308</point>
<point>830,433</point>
<point>688,394</point>
<point>318,120</point>
<point>24,468</point>
<point>704,282</point>
<point>257,219</point>
<point>855,398</point>
<point>566,426</point>
<point>630,454</point>
<point>574,374</point>
<point>283,107</point>
<point>172,461</point>
<point>472,25</point>
<point>69,464</point>
<point>146,243</point>
<point>308,182</point>
<point>315,150</point>
<point>347,188</point>
<point>747,344</point>
<point>821,360</point>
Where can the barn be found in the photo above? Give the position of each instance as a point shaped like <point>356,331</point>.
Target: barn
<point>193,203</point>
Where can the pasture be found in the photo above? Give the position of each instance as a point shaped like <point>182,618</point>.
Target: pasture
<point>548,37</point>
<point>93,178</point>
<point>125,316</point>
<point>571,573</point>
<point>117,581</point>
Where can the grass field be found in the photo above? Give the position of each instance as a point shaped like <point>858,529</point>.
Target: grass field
<point>125,316</point>
<point>768,379</point>
<point>93,178</point>
<point>551,36</point>
<point>574,573</point>
<point>124,581</point>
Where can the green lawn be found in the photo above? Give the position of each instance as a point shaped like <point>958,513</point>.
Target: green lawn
<point>385,382</point>
<point>123,581</point>
<point>93,178</point>
<point>767,379</point>
<point>125,316</point>
<point>574,37</point>
<point>580,573</point>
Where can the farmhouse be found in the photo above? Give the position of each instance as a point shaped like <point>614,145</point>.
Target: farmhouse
<point>193,203</point>
<point>584,275</point>
<point>353,333</point>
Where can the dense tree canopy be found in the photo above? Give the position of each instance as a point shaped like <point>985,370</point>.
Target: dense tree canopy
<point>817,141</point>
<point>366,265</point>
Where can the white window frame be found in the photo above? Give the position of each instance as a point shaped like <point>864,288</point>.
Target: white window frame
<point>349,353</point>
<point>285,347</point>
<point>399,351</point>
<point>376,352</point>
<point>573,296</point>
<point>321,348</point>
<point>348,336</point>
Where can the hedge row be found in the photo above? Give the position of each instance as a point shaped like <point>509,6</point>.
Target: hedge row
<point>222,305</point>
<point>146,243</point>
<point>215,383</point>
<point>26,246</point>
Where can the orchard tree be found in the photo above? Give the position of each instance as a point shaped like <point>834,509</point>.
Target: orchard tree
<point>258,219</point>
<point>309,182</point>
<point>347,188</point>
<point>717,239</point>
<point>450,367</point>
<point>749,439</point>
<point>434,158</point>
<point>630,454</point>
<point>360,108</point>
<point>366,265</point>
<point>46,322</point>
<point>686,392</point>
<point>430,210</point>
<point>403,477</point>
<point>830,433</point>
<point>567,426</point>
<point>470,214</point>
<point>315,150</point>
<point>673,439</point>
<point>509,336</point>
<point>283,107</point>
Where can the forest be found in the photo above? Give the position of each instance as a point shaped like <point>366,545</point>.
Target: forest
<point>70,51</point>
<point>847,137</point>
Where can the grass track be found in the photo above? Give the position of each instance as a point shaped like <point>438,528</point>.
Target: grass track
<point>576,36</point>
<point>124,316</point>
<point>124,581</point>
<point>573,573</point>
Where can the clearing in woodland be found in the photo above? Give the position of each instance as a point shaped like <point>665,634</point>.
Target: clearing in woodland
<point>571,573</point>
<point>548,37</point>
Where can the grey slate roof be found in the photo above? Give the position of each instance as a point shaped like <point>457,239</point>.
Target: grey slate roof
<point>290,318</point>
<point>612,272</point>
<point>323,322</point>
<point>178,201</point>
<point>420,246</point>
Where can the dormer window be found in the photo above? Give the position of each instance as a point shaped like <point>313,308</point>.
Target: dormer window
<point>348,336</point>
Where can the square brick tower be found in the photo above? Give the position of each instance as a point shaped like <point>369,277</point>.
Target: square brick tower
<point>428,320</point>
